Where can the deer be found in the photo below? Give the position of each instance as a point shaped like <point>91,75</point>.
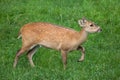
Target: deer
<point>56,37</point>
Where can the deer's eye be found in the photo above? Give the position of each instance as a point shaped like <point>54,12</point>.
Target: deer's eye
<point>91,25</point>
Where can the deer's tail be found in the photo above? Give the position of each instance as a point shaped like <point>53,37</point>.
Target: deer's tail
<point>19,35</point>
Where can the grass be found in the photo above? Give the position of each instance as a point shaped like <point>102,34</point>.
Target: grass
<point>102,60</point>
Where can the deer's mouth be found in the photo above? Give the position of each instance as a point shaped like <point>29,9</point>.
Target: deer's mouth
<point>99,30</point>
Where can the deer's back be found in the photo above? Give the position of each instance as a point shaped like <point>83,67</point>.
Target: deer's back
<point>49,34</point>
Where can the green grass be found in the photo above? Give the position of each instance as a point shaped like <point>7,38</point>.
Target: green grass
<point>102,61</point>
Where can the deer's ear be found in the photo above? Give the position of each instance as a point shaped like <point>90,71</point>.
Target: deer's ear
<point>82,22</point>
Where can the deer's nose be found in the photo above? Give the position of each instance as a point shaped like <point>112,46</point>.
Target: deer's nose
<point>99,30</point>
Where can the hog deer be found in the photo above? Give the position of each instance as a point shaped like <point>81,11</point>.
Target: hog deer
<point>55,37</point>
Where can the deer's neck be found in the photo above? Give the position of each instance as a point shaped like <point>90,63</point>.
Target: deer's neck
<point>83,36</point>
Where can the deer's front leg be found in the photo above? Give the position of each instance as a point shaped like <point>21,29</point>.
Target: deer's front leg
<point>64,58</point>
<point>82,49</point>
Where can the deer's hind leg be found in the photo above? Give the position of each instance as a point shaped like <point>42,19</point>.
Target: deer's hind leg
<point>30,54</point>
<point>20,52</point>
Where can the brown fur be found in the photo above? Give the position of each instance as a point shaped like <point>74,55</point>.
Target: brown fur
<point>55,37</point>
